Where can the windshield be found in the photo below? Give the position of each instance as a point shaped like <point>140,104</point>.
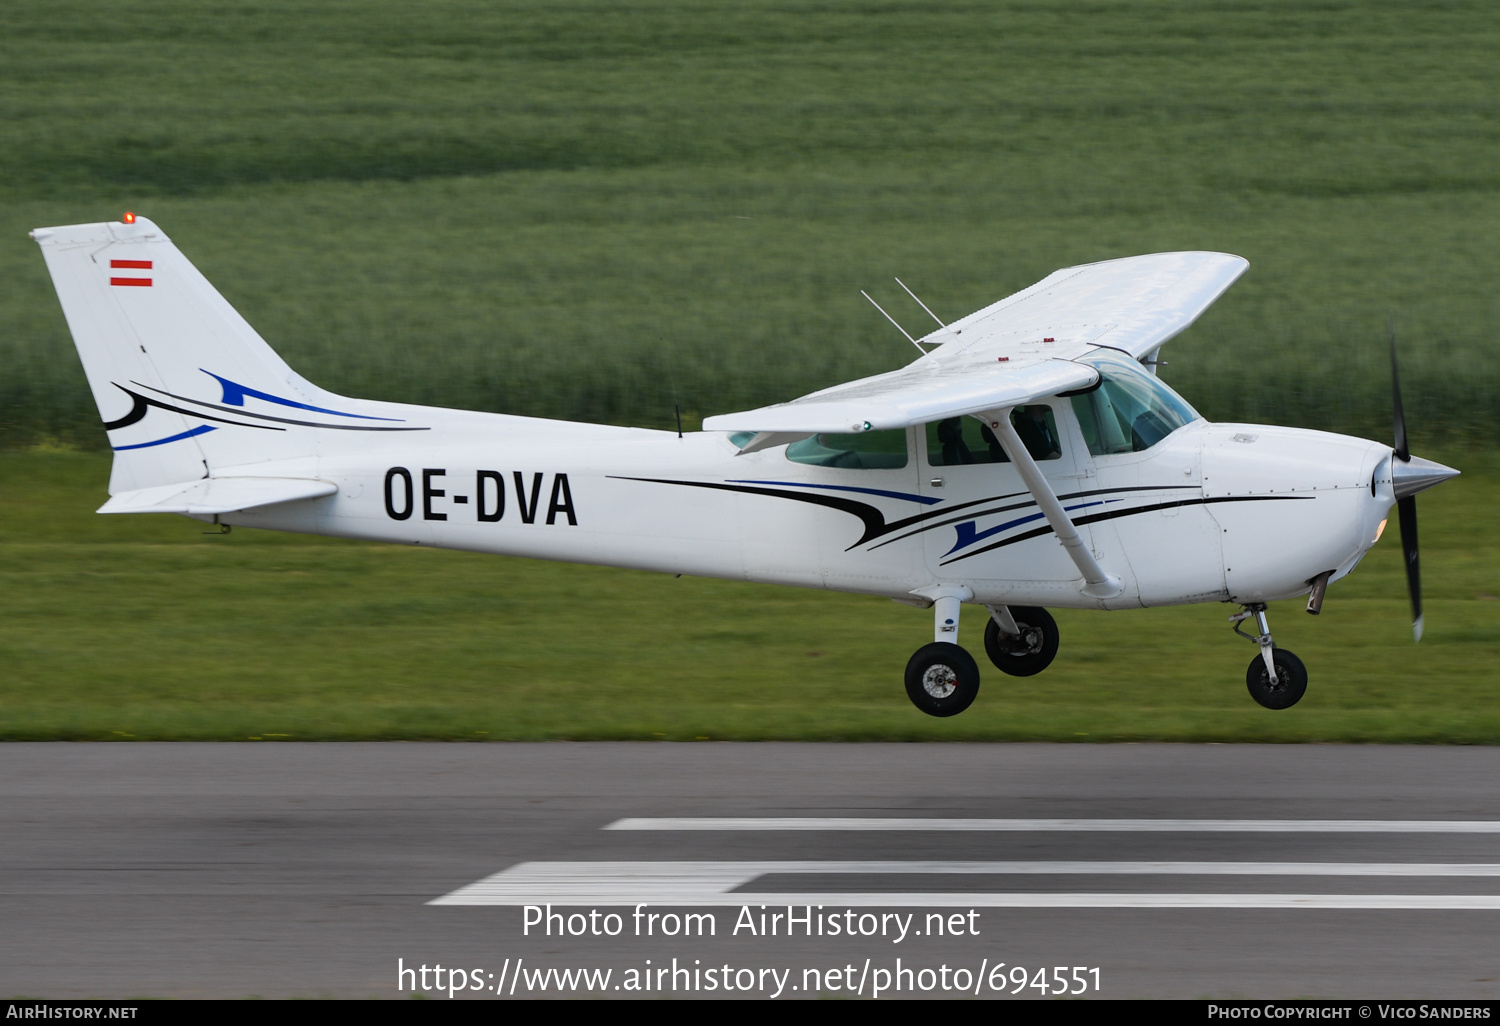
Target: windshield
<point>1131,410</point>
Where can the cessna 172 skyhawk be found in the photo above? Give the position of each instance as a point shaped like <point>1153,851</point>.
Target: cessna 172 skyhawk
<point>1029,457</point>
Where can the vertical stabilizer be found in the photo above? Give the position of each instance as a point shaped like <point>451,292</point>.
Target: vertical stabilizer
<point>183,384</point>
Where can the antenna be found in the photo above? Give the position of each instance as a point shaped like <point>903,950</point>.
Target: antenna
<point>923,305</point>
<point>888,317</point>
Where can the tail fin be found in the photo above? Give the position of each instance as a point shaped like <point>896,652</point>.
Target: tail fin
<point>184,385</point>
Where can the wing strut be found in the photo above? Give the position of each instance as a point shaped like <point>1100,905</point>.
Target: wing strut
<point>1097,583</point>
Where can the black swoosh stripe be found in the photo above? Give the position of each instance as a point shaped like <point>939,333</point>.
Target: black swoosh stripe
<point>142,403</point>
<point>921,518</point>
<point>918,518</point>
<point>872,518</point>
<point>262,416</point>
<point>137,411</point>
<point>1116,513</point>
<point>1018,505</point>
<point>953,520</point>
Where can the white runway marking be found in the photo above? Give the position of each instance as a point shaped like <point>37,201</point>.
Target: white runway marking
<point>1277,826</point>
<point>714,884</point>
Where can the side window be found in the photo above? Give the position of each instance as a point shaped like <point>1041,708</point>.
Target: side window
<point>1038,430</point>
<point>959,440</point>
<point>869,450</point>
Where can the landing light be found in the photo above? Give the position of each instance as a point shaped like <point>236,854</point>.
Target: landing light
<point>1379,531</point>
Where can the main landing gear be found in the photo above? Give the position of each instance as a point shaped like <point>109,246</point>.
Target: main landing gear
<point>1026,645</point>
<point>1276,678</point>
<point>943,680</point>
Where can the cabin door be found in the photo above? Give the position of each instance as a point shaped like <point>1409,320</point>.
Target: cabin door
<point>985,525</point>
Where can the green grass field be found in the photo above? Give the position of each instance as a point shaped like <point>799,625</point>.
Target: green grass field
<point>143,627</point>
<point>598,210</point>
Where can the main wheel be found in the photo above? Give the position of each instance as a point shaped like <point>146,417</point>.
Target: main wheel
<point>1291,680</point>
<point>1027,653</point>
<point>942,679</point>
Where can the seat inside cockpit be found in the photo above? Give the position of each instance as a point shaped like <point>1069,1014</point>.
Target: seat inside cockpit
<point>961,440</point>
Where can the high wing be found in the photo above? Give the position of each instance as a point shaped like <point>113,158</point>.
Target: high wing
<point>928,389</point>
<point>1014,351</point>
<point>1133,304</point>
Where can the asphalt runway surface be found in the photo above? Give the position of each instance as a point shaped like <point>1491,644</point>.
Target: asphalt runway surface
<point>1191,871</point>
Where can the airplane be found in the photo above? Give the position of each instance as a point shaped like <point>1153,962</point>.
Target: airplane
<point>1029,457</point>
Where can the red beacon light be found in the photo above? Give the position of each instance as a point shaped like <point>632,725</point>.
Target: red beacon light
<point>129,218</point>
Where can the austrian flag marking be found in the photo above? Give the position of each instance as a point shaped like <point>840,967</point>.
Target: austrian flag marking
<point>136,265</point>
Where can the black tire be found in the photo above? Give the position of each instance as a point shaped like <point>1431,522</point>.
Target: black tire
<point>942,679</point>
<point>1291,680</point>
<point>1028,653</point>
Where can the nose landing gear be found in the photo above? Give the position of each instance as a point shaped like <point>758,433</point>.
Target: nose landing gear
<point>1276,678</point>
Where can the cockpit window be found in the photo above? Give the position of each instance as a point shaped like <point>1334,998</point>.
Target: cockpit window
<point>960,440</point>
<point>1131,410</point>
<point>869,450</point>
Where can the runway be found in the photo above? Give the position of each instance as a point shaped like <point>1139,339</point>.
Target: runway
<point>700,870</point>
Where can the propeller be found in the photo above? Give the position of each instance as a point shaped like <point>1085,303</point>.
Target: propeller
<point>1409,475</point>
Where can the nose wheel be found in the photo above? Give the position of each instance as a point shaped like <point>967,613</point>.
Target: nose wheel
<point>1276,678</point>
<point>1288,687</point>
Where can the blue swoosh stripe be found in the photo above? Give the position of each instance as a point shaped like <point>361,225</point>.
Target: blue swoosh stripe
<point>234,395</point>
<point>923,499</point>
<point>967,535</point>
<point>200,429</point>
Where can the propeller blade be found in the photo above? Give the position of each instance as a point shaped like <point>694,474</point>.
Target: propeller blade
<point>1407,509</point>
<point>1402,452</point>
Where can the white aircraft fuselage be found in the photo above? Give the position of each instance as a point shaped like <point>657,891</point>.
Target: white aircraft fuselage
<point>1214,512</point>
<point>1029,458</point>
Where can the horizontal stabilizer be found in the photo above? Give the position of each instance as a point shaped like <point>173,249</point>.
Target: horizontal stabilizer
<point>218,495</point>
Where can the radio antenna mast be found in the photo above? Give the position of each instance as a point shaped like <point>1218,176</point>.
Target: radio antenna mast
<point>888,317</point>
<point>923,305</point>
